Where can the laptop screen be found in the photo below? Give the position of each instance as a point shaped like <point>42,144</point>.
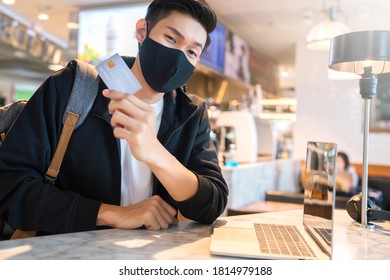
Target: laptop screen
<point>319,190</point>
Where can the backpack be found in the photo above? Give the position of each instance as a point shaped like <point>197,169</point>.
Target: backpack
<point>80,102</point>
<point>8,115</point>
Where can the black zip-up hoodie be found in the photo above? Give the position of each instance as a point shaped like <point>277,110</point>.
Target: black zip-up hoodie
<point>91,172</point>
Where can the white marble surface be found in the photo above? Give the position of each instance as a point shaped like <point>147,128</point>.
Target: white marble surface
<point>248,182</point>
<point>186,241</point>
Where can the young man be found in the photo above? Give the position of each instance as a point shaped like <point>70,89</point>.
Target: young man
<point>136,159</point>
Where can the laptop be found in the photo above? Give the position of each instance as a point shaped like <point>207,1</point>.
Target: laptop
<point>279,240</point>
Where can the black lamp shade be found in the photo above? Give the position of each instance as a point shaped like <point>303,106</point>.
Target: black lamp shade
<point>349,48</point>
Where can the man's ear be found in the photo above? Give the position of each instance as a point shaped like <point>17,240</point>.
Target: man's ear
<point>141,30</point>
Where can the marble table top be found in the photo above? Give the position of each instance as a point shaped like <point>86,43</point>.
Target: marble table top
<point>186,241</point>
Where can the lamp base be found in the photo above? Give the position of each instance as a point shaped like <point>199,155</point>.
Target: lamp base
<point>368,226</point>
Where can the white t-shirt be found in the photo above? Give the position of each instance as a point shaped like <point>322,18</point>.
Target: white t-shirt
<point>136,181</point>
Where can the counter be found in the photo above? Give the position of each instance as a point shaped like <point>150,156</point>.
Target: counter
<point>186,241</point>
<point>248,182</point>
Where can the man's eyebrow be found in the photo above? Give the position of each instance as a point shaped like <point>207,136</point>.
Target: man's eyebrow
<point>178,33</point>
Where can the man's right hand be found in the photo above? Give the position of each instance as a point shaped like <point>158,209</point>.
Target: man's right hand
<point>153,213</point>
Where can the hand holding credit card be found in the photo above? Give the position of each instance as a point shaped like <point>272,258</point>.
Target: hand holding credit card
<point>117,76</point>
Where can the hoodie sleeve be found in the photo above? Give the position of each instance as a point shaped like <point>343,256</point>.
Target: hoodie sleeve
<point>211,199</point>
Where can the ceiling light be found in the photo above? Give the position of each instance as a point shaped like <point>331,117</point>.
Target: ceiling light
<point>43,15</point>
<point>9,2</point>
<point>283,72</point>
<point>319,36</point>
<point>73,25</point>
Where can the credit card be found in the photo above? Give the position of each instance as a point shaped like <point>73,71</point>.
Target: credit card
<point>117,75</point>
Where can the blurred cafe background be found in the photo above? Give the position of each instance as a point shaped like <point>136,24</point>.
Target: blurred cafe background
<point>265,78</point>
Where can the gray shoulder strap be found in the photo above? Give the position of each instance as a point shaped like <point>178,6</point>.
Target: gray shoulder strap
<point>84,91</point>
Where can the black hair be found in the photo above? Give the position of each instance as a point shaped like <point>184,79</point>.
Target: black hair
<point>198,9</point>
<point>345,158</point>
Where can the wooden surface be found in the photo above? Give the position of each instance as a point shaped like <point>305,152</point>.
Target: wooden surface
<point>373,170</point>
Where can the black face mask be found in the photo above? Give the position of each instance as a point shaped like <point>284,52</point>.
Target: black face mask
<point>163,68</point>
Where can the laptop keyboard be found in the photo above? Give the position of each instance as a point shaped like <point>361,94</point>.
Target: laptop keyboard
<point>282,240</point>
<point>325,233</point>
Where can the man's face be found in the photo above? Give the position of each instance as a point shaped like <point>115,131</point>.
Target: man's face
<point>182,32</point>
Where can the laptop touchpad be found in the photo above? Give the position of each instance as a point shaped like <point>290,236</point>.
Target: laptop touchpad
<point>235,234</point>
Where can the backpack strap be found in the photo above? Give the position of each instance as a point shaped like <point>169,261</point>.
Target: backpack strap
<point>84,91</point>
<point>66,133</point>
<point>18,234</point>
<point>80,102</point>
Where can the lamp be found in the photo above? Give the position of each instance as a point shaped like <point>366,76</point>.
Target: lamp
<point>9,2</point>
<point>318,38</point>
<point>367,54</point>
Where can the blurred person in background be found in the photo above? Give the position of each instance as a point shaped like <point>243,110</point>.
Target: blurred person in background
<point>346,177</point>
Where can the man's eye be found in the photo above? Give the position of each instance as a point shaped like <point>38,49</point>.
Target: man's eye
<point>170,39</point>
<point>192,53</point>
